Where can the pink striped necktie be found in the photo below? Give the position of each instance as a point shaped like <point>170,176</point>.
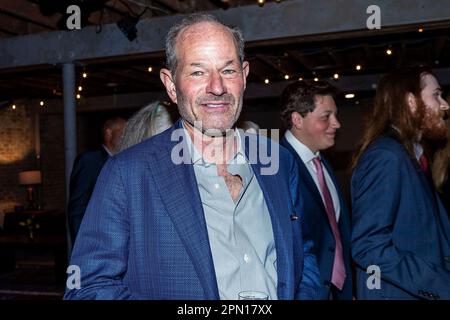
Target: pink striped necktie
<point>338,276</point>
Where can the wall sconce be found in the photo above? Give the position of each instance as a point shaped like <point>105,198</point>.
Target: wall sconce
<point>30,179</point>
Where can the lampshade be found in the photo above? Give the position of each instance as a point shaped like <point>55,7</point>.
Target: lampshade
<point>30,177</point>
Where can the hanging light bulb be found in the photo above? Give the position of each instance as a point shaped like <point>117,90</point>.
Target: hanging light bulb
<point>80,88</point>
<point>78,96</point>
<point>358,67</point>
<point>84,75</point>
<point>150,69</point>
<point>336,76</point>
<point>266,81</point>
<point>286,76</point>
<point>41,103</point>
<point>13,107</point>
<point>261,2</point>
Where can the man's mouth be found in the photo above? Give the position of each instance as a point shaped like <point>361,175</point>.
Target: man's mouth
<point>215,104</point>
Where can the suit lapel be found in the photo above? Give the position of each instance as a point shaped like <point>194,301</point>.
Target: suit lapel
<point>281,227</point>
<point>179,192</point>
<point>307,179</point>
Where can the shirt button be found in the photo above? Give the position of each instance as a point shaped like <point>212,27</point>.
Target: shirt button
<point>247,258</point>
<point>216,185</point>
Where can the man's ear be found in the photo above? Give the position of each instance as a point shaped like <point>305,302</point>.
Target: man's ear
<point>297,120</point>
<point>167,80</point>
<point>245,71</point>
<point>411,101</point>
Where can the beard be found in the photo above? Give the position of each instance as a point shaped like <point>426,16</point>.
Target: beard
<point>432,124</point>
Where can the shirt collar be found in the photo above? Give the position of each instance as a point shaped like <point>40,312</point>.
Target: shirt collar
<point>197,158</point>
<point>418,150</point>
<point>302,150</point>
<point>107,150</point>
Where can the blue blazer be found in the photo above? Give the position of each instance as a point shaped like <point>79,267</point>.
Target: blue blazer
<point>144,234</point>
<point>86,169</point>
<point>399,225</point>
<point>320,230</point>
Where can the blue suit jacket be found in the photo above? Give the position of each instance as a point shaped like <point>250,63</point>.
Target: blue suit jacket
<point>399,225</point>
<point>144,235</point>
<point>86,169</point>
<point>319,227</point>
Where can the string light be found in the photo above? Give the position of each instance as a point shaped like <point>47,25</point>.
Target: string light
<point>150,69</point>
<point>388,52</point>
<point>349,95</point>
<point>286,76</point>
<point>300,79</point>
<point>336,76</point>
<point>420,30</point>
<point>358,67</point>
<point>13,107</point>
<point>84,75</point>
<point>261,2</point>
<point>78,96</point>
<point>41,103</point>
<point>316,79</point>
<point>80,88</point>
<point>266,81</point>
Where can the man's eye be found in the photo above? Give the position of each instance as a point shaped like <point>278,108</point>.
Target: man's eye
<point>196,73</point>
<point>229,71</point>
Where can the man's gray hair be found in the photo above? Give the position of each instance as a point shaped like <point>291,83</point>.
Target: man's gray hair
<point>177,29</point>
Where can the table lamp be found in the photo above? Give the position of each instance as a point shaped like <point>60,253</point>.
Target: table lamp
<point>30,179</point>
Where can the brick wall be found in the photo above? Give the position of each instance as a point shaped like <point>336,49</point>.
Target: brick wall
<point>52,160</point>
<point>16,154</point>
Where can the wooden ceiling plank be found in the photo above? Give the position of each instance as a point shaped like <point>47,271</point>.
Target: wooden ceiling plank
<point>30,12</point>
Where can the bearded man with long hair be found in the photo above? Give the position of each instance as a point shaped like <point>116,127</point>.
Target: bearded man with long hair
<point>401,232</point>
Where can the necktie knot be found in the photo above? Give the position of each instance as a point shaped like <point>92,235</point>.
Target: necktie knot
<point>317,163</point>
<point>424,163</point>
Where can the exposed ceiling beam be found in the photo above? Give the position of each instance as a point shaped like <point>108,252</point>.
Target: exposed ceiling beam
<point>29,11</point>
<point>302,59</point>
<point>275,21</point>
<point>17,26</point>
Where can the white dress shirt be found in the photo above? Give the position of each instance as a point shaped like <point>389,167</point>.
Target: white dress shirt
<point>307,156</point>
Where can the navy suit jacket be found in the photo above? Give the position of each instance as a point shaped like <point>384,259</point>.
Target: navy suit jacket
<point>144,235</point>
<point>399,226</point>
<point>86,169</point>
<point>445,195</point>
<point>319,227</point>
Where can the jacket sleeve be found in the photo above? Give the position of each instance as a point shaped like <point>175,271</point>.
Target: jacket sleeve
<point>309,288</point>
<point>81,185</point>
<point>101,249</point>
<point>377,190</point>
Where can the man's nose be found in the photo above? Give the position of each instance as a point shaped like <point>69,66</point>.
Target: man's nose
<point>335,123</point>
<point>215,84</point>
<point>444,105</point>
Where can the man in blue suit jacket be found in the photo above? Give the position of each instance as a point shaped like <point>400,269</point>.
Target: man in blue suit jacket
<point>174,217</point>
<point>310,114</point>
<point>401,232</point>
<point>85,171</point>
